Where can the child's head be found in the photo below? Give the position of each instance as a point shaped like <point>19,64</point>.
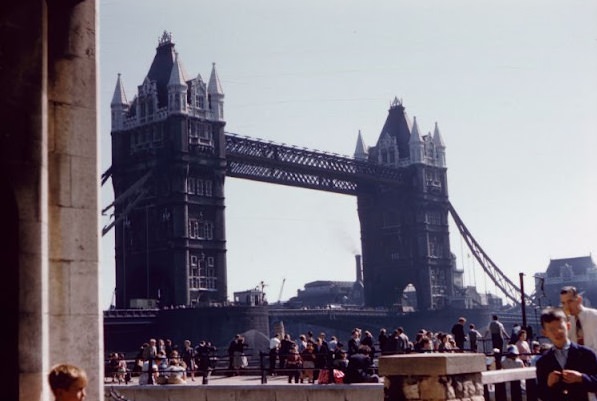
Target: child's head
<point>555,326</point>
<point>512,351</point>
<point>68,382</point>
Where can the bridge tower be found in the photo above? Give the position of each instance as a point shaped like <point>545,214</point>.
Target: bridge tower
<point>404,229</point>
<point>168,169</point>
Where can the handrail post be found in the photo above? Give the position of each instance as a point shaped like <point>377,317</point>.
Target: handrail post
<point>262,367</point>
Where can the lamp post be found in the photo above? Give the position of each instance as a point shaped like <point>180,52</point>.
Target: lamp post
<point>147,248</point>
<point>522,301</point>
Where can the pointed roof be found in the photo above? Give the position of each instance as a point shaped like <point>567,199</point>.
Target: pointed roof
<point>214,86</point>
<point>415,137</point>
<point>177,75</point>
<point>161,67</point>
<point>360,151</point>
<point>437,137</point>
<point>579,265</point>
<point>397,125</point>
<point>119,96</point>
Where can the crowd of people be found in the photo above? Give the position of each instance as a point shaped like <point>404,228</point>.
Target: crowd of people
<point>566,363</point>
<point>161,361</point>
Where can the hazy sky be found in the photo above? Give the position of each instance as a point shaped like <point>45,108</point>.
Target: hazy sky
<point>512,85</point>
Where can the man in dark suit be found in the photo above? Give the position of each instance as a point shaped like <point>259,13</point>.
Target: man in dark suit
<point>567,371</point>
<point>458,333</point>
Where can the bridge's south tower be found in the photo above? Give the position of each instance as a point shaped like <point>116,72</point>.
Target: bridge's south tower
<point>404,229</point>
<point>168,169</point>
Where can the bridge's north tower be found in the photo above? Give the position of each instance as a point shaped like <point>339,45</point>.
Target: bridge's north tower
<point>404,229</point>
<point>168,169</point>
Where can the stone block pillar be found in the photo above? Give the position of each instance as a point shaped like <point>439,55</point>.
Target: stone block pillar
<point>433,377</point>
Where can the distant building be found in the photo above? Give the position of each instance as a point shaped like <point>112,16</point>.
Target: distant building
<point>323,293</point>
<point>254,297</point>
<point>580,272</point>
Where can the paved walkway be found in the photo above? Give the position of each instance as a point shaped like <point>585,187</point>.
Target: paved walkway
<point>225,380</point>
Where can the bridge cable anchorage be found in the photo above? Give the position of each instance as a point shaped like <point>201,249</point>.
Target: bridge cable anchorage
<point>508,288</point>
<point>137,192</point>
<point>106,174</point>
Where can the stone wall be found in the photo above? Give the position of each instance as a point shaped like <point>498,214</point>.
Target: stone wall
<point>434,376</point>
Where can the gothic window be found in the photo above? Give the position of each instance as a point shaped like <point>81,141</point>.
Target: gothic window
<point>191,185</point>
<point>205,133</point>
<point>202,272</point>
<point>434,246</point>
<point>193,134</point>
<point>433,217</point>
<point>194,272</point>
<point>429,148</point>
<point>200,187</point>
<point>193,228</point>
<point>200,229</point>
<point>208,188</point>
<point>199,101</point>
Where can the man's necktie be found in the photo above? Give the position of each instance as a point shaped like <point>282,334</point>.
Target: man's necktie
<point>579,332</point>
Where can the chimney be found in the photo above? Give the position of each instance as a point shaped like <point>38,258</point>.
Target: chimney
<point>359,267</point>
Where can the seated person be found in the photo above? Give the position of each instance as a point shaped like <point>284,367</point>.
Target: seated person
<point>360,367</point>
<point>341,362</point>
<point>176,372</point>
<point>150,374</point>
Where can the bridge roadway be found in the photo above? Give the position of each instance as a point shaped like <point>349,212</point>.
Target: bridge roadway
<point>243,388</point>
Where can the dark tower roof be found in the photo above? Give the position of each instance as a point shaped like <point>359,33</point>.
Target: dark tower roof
<point>578,265</point>
<point>161,67</point>
<point>398,125</point>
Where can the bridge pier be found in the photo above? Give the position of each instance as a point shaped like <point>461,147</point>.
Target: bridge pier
<point>437,377</point>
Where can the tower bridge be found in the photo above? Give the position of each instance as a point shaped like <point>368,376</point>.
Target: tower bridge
<point>171,155</point>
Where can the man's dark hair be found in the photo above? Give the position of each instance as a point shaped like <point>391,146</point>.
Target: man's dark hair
<point>569,290</point>
<point>549,315</point>
<point>495,317</point>
<point>364,349</point>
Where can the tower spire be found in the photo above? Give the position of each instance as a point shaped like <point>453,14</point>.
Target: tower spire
<point>119,96</point>
<point>360,152</point>
<point>119,105</point>
<point>415,143</point>
<point>214,87</point>
<point>440,147</point>
<point>177,87</point>
<point>215,95</point>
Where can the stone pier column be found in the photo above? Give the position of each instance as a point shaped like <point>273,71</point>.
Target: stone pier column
<point>433,377</point>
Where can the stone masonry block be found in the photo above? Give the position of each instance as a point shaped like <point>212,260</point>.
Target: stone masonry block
<point>437,364</point>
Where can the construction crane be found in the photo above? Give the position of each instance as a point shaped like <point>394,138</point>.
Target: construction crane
<point>281,289</point>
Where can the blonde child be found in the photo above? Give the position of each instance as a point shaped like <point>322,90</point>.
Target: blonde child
<point>68,382</point>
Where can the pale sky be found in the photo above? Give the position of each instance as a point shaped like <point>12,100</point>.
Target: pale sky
<point>512,85</point>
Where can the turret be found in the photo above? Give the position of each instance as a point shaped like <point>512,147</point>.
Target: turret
<point>119,106</point>
<point>177,88</point>
<point>416,144</point>
<point>440,147</point>
<point>215,95</point>
<point>360,152</point>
